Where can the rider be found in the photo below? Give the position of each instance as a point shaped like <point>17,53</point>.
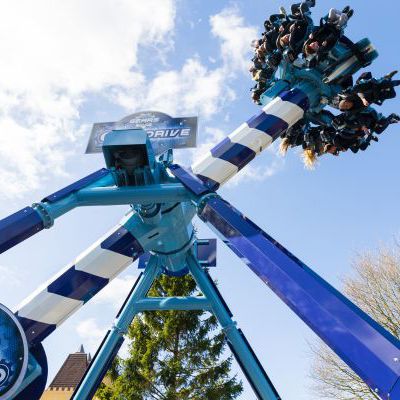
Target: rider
<point>325,37</point>
<point>372,90</point>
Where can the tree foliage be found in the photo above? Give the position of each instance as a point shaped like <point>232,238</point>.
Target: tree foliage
<point>173,355</point>
<point>375,288</point>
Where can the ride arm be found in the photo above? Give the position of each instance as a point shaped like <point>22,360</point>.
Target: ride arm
<point>30,220</point>
<point>42,312</point>
<point>357,339</point>
<point>97,189</point>
<point>286,108</point>
<point>234,152</point>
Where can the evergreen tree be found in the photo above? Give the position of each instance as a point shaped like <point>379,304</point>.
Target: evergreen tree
<point>173,355</point>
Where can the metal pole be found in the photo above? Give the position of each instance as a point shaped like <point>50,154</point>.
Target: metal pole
<point>156,193</point>
<point>115,337</point>
<point>238,343</point>
<point>173,303</point>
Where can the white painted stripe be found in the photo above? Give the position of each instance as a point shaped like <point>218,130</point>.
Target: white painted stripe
<point>220,170</point>
<point>285,110</point>
<point>341,68</point>
<point>254,139</point>
<point>215,168</point>
<point>49,308</point>
<point>203,160</point>
<point>102,262</point>
<point>41,289</point>
<point>52,308</point>
<point>347,64</point>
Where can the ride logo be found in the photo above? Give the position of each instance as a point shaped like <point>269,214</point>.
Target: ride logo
<point>164,131</point>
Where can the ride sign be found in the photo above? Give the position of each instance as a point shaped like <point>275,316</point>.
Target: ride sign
<point>164,131</point>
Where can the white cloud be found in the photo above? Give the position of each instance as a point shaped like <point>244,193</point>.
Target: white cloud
<point>236,37</point>
<point>75,45</point>
<point>211,137</point>
<point>257,173</point>
<point>91,333</point>
<point>54,54</point>
<point>60,53</point>
<point>116,291</point>
<point>114,294</point>
<point>196,88</point>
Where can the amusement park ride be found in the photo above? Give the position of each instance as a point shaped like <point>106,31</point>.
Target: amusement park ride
<point>165,197</point>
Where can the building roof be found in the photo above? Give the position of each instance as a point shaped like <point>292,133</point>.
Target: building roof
<point>72,370</point>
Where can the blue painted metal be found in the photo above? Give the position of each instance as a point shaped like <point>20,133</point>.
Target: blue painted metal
<point>35,331</point>
<point>277,87</point>
<point>51,211</point>
<point>362,343</point>
<point>249,362</point>
<point>13,355</point>
<point>173,303</point>
<point>248,373</point>
<point>205,250</point>
<point>128,139</point>
<point>33,380</point>
<point>143,260</point>
<point>208,182</point>
<point>395,391</point>
<point>107,359</point>
<point>234,153</point>
<point>321,79</point>
<point>347,63</point>
<point>56,208</point>
<point>25,223</point>
<point>158,238</point>
<point>30,220</point>
<point>297,96</point>
<point>190,180</point>
<point>74,187</point>
<point>160,193</point>
<point>225,160</point>
<point>270,124</point>
<point>102,193</point>
<point>114,338</point>
<point>161,223</point>
<point>123,242</point>
<point>78,285</point>
<point>18,227</point>
<point>137,302</point>
<point>34,385</point>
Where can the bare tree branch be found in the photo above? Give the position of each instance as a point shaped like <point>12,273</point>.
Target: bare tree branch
<point>375,287</point>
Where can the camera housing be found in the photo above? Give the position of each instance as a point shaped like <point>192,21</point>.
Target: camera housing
<point>129,155</point>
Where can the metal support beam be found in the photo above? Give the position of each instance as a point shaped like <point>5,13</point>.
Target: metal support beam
<point>173,303</point>
<point>106,196</point>
<point>157,193</point>
<point>238,343</point>
<point>115,337</point>
<point>138,302</point>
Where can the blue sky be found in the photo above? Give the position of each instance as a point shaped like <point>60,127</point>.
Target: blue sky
<point>67,65</point>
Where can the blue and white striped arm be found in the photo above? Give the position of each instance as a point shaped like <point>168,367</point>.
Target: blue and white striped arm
<point>43,311</point>
<point>228,157</point>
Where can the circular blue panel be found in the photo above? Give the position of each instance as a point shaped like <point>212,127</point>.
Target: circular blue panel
<point>13,353</point>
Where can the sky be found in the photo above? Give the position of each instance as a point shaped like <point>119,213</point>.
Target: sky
<point>65,65</point>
